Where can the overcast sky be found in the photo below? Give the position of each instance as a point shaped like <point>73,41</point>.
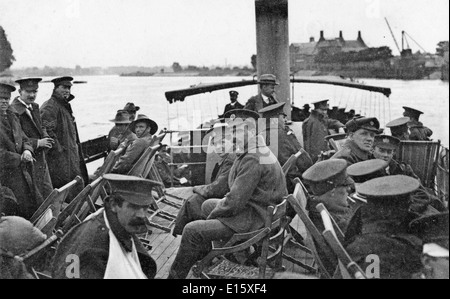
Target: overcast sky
<point>198,32</point>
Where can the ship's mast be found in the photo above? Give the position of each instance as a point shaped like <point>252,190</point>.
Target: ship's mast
<point>272,42</point>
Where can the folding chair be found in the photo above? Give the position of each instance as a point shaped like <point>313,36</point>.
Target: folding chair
<point>336,141</point>
<point>46,215</point>
<point>348,268</point>
<point>271,235</point>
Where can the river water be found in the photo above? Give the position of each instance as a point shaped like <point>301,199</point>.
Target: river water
<point>97,101</point>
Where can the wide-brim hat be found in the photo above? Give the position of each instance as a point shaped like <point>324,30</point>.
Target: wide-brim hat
<point>130,107</point>
<point>143,118</point>
<point>64,81</point>
<point>29,83</point>
<point>122,117</point>
<point>386,142</point>
<point>6,90</point>
<point>268,79</point>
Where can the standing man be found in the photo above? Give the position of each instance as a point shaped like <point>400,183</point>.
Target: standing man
<point>16,157</point>
<point>256,181</point>
<point>64,161</point>
<point>266,96</point>
<point>418,130</point>
<point>359,143</point>
<point>399,128</point>
<point>316,127</point>
<point>30,120</point>
<point>234,103</point>
<point>106,243</point>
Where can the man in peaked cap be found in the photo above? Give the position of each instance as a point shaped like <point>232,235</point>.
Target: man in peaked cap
<point>121,132</point>
<point>417,130</point>
<point>30,120</point>
<point>399,128</point>
<point>132,109</point>
<point>362,172</point>
<point>144,128</point>
<point>381,227</point>
<point>256,181</point>
<point>433,230</point>
<point>106,243</point>
<point>192,207</point>
<point>266,96</point>
<point>361,135</point>
<point>234,103</point>
<point>63,159</point>
<point>316,127</point>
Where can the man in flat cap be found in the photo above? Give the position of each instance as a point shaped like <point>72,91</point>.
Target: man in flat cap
<point>316,127</point>
<point>63,159</point>
<point>30,120</point>
<point>418,130</point>
<point>144,128</point>
<point>361,135</point>
<point>433,230</point>
<point>234,103</point>
<point>266,96</point>
<point>16,157</point>
<point>121,131</point>
<point>379,231</point>
<point>132,110</point>
<point>218,188</point>
<point>399,128</point>
<point>256,181</point>
<point>106,244</point>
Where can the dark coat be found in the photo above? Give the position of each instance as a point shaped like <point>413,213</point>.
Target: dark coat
<point>231,106</point>
<point>256,181</point>
<point>34,130</point>
<point>89,240</point>
<point>315,128</point>
<point>133,153</point>
<point>126,137</point>
<point>256,103</point>
<point>418,131</point>
<point>63,159</point>
<point>351,153</point>
<point>15,174</point>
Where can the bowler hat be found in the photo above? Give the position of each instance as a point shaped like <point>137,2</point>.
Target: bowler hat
<point>29,84</point>
<point>132,189</point>
<point>386,142</point>
<point>367,123</point>
<point>122,117</point>
<point>272,110</point>
<point>6,90</point>
<point>65,81</point>
<point>144,118</point>
<point>326,175</point>
<point>130,107</point>
<point>268,79</point>
<point>364,171</point>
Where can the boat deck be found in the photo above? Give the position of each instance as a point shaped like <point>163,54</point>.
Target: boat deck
<point>165,246</point>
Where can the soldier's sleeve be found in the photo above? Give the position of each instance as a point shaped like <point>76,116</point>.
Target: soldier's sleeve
<point>49,122</point>
<point>241,191</point>
<point>250,105</point>
<point>219,187</point>
<point>334,124</point>
<point>131,155</point>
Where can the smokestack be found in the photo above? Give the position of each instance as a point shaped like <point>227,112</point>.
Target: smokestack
<point>322,38</point>
<point>359,35</point>
<point>311,39</point>
<point>341,36</point>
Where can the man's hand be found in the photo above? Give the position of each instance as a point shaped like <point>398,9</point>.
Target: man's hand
<point>45,143</point>
<point>27,156</point>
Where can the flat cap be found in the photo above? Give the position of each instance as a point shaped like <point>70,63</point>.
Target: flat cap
<point>394,187</point>
<point>6,90</point>
<point>411,112</point>
<point>386,142</point>
<point>326,175</point>
<point>272,110</point>
<point>367,123</point>
<point>29,83</point>
<point>122,117</point>
<point>433,229</point>
<point>268,79</point>
<point>132,189</point>
<point>65,81</point>
<point>364,171</point>
<point>145,119</point>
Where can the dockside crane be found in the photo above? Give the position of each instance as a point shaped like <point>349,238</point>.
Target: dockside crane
<point>393,36</point>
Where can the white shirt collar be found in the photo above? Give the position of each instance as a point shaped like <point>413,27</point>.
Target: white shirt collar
<point>25,104</point>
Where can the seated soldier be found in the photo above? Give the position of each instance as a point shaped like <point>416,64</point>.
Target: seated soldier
<point>106,242</point>
<point>144,128</point>
<point>121,132</point>
<point>381,228</point>
<point>285,145</point>
<point>256,181</point>
<point>17,237</point>
<point>359,143</point>
<point>417,130</point>
<point>192,207</point>
<point>433,230</point>
<point>399,128</point>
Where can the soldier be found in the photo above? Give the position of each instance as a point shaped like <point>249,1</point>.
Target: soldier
<point>16,157</point>
<point>132,110</point>
<point>63,159</point>
<point>121,132</point>
<point>30,120</point>
<point>106,243</point>
<point>144,128</point>
<point>399,128</point>
<point>417,130</point>
<point>256,181</point>
<point>362,172</point>
<point>359,143</point>
<point>234,103</point>
<point>433,230</point>
<point>380,229</point>
<point>317,127</point>
<point>266,96</point>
